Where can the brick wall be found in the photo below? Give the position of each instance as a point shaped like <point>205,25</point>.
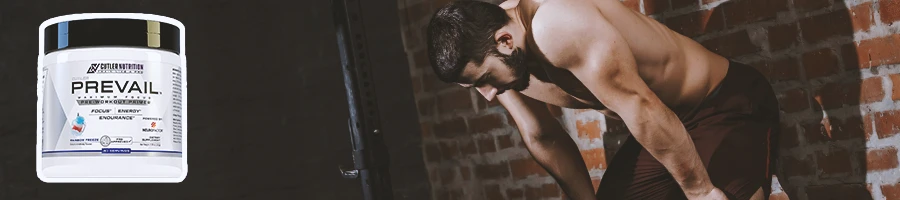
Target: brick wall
<point>833,65</point>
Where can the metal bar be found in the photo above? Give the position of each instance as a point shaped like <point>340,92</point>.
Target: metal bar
<point>370,158</point>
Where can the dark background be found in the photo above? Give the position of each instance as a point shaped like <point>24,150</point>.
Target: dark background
<point>268,111</point>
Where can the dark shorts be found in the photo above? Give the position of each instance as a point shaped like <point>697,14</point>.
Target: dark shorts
<point>732,129</point>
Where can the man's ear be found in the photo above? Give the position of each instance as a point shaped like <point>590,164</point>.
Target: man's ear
<point>510,4</point>
<point>505,42</point>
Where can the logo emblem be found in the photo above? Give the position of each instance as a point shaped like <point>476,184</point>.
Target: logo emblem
<point>92,69</point>
<point>152,124</point>
<point>78,125</point>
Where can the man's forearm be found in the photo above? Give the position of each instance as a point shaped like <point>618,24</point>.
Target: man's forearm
<point>560,156</point>
<point>661,133</point>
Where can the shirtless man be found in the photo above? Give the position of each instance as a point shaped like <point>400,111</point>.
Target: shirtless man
<point>701,124</point>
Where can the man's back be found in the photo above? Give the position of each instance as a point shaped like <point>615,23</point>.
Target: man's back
<point>679,70</point>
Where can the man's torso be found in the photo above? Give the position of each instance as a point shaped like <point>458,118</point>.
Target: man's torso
<point>680,71</point>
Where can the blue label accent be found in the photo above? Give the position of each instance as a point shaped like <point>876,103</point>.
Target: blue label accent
<point>62,35</point>
<point>116,150</point>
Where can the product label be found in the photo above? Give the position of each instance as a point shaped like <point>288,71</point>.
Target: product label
<point>112,107</point>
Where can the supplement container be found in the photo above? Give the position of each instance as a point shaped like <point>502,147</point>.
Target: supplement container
<point>112,99</point>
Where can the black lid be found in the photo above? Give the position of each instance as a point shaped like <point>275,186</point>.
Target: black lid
<point>112,32</point>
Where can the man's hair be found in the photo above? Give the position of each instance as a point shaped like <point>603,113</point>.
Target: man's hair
<point>460,32</point>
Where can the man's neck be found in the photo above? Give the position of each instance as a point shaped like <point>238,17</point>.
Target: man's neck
<point>524,11</point>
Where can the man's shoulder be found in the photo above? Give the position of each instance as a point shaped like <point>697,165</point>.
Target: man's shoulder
<point>557,25</point>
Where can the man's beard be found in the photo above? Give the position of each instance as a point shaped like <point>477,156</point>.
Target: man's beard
<point>516,63</point>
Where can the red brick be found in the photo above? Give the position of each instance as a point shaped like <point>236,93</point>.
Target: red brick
<point>871,90</point>
<point>794,100</point>
<point>837,161</point>
<point>810,5</point>
<point>815,132</point>
<point>633,4</point>
<point>838,191</point>
<point>785,69</point>
<point>676,4</point>
<point>889,10</point>
<point>732,45</point>
<point>594,158</point>
<point>449,150</point>
<point>881,159</point>
<point>433,175</point>
<point>862,16</point>
<point>416,84</point>
<point>696,23</point>
<point>779,196</point>
<point>514,193</point>
<point>848,128</point>
<point>797,167</point>
<point>432,152</point>
<point>739,12</point>
<point>836,95</point>
<point>820,63</point>
<point>525,167</point>
<point>426,129</point>
<point>421,60</point>
<point>542,192</point>
<point>851,57</point>
<point>492,171</point>
<point>505,141</point>
<point>887,123</point>
<point>550,190</point>
<point>891,191</point>
<point>425,106</point>
<point>450,128</point>
<point>821,27</point>
<point>867,124</point>
<point>430,82</point>
<point>485,123</point>
<point>655,6</point>
<point>465,173</point>
<point>783,36</point>
<point>493,191</point>
<point>588,129</point>
<point>448,175</point>
<point>467,147</point>
<point>895,92</point>
<point>834,129</point>
<point>879,51</point>
<point>456,100</point>
<point>487,145</point>
<point>533,193</point>
<point>789,137</point>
